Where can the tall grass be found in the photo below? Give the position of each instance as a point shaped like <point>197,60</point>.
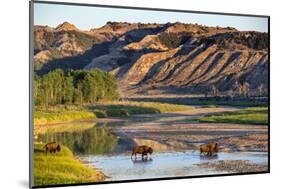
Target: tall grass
<point>61,168</point>
<point>43,117</point>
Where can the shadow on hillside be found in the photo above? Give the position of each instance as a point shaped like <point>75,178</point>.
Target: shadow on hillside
<point>79,61</point>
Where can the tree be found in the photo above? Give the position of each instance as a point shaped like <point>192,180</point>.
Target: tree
<point>261,90</point>
<point>59,87</point>
<point>231,93</point>
<point>237,88</point>
<point>214,91</point>
<point>36,89</point>
<point>68,90</point>
<point>78,95</point>
<point>89,88</point>
<point>246,89</point>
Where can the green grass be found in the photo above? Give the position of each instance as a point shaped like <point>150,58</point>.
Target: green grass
<point>254,115</point>
<point>207,102</point>
<point>42,117</point>
<point>63,128</point>
<point>228,103</point>
<point>60,114</point>
<point>61,168</point>
<point>126,108</point>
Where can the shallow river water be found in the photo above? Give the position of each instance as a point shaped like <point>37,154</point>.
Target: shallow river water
<point>169,164</point>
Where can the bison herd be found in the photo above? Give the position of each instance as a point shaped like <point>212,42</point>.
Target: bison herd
<point>206,149</point>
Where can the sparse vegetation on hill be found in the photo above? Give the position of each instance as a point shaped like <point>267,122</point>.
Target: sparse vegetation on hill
<point>173,40</point>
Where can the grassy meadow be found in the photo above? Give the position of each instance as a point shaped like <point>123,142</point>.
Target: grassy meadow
<point>253,115</point>
<point>62,167</point>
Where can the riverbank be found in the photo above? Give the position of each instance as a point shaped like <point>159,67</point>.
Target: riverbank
<point>71,113</point>
<point>62,167</point>
<point>183,131</point>
<point>189,99</point>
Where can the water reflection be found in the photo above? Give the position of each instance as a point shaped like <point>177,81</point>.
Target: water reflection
<point>208,157</point>
<point>164,164</point>
<point>94,140</point>
<point>144,160</point>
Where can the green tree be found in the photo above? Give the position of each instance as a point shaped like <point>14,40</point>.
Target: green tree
<point>68,90</point>
<point>80,86</point>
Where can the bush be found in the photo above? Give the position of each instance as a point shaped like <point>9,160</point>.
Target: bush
<point>173,40</point>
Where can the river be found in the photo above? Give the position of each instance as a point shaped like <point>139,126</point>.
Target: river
<point>107,144</point>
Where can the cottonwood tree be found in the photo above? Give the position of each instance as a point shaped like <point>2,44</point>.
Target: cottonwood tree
<point>230,93</point>
<point>214,91</point>
<point>246,89</point>
<point>68,90</point>
<point>237,88</point>
<point>261,90</point>
<point>80,86</point>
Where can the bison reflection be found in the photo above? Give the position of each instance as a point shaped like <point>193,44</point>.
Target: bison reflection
<point>144,160</point>
<point>143,150</point>
<point>209,157</point>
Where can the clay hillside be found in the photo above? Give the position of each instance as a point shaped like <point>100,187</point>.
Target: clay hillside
<point>169,57</point>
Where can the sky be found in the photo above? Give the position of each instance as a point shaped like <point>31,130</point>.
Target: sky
<point>85,17</point>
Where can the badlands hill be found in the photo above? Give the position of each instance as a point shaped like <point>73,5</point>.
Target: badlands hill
<point>169,57</point>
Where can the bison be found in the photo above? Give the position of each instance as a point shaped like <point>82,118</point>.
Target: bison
<point>209,148</point>
<point>52,147</point>
<point>143,150</point>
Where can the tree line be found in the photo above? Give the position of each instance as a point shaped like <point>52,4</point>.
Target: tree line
<point>74,87</point>
<point>239,90</point>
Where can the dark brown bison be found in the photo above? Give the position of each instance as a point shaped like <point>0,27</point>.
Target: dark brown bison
<point>209,148</point>
<point>52,147</point>
<point>143,150</point>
